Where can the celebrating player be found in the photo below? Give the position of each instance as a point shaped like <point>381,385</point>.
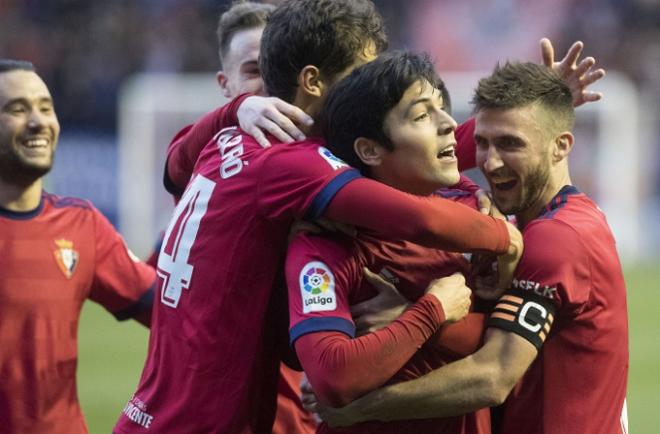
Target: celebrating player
<point>558,339</point>
<point>401,135</point>
<point>213,350</point>
<point>56,253</point>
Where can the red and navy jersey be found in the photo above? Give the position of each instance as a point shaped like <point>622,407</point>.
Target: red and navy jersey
<point>568,299</point>
<point>212,364</point>
<point>325,278</point>
<point>53,259</point>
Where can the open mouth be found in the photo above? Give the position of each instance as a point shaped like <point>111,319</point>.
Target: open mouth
<point>36,143</point>
<point>447,153</point>
<point>504,186</point>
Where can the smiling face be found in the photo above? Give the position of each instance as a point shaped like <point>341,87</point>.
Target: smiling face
<point>422,133</point>
<point>28,127</point>
<point>514,153</point>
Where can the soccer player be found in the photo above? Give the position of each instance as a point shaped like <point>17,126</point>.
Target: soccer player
<point>56,253</point>
<point>214,351</point>
<point>239,38</point>
<point>402,135</point>
<point>557,342</point>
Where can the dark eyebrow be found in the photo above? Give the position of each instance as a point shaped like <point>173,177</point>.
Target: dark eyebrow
<point>422,99</point>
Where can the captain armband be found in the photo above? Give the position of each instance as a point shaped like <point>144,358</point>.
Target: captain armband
<point>524,313</point>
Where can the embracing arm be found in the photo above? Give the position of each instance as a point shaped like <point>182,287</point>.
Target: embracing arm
<point>341,369</point>
<point>481,380</point>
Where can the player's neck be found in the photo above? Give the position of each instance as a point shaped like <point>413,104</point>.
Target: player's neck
<point>551,189</point>
<point>20,198</point>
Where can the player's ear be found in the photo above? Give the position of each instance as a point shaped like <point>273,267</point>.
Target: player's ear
<point>222,79</point>
<point>369,151</point>
<point>310,81</point>
<point>562,146</point>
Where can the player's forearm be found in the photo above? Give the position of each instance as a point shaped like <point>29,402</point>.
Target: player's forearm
<point>455,389</point>
<point>184,150</point>
<point>341,369</point>
<point>429,221</point>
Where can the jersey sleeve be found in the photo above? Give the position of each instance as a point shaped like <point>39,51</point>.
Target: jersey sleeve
<point>552,279</point>
<point>340,366</point>
<point>429,221</point>
<point>319,275</point>
<point>299,181</point>
<point>188,143</point>
<point>122,283</point>
<point>466,147</point>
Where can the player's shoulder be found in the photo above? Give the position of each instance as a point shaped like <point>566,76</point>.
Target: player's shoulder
<point>67,202</point>
<point>570,212</point>
<point>332,247</point>
<point>310,152</point>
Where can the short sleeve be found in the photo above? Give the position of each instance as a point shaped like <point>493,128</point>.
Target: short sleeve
<point>300,180</point>
<point>555,265</point>
<point>320,274</point>
<point>122,283</point>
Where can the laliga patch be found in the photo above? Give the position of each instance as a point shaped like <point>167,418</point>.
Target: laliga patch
<point>66,257</point>
<point>317,287</point>
<point>334,162</point>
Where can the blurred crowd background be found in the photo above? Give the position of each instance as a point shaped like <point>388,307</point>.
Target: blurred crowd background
<point>86,49</point>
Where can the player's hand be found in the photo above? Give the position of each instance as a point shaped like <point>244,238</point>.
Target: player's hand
<point>453,294</point>
<point>308,398</point>
<point>341,417</point>
<point>490,286</point>
<point>578,76</point>
<point>258,115</point>
<point>483,201</point>
<point>378,312</point>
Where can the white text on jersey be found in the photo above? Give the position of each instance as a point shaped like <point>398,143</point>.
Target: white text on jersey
<point>230,142</point>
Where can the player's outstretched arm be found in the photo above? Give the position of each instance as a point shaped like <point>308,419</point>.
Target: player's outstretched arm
<point>481,380</point>
<point>342,369</point>
<point>428,221</point>
<point>577,75</point>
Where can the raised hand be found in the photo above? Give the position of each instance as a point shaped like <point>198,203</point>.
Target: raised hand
<point>578,76</point>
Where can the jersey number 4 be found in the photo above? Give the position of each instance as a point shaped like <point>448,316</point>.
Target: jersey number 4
<point>173,266</point>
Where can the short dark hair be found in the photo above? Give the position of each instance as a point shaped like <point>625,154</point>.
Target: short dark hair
<point>516,85</point>
<point>329,34</point>
<point>358,104</point>
<point>242,15</point>
<point>7,65</point>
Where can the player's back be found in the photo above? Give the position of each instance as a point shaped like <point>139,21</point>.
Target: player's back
<point>210,349</point>
<point>578,382</point>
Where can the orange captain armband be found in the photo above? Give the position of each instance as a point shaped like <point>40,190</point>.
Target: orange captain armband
<point>524,313</point>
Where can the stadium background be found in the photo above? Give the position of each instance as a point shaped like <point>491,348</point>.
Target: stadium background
<point>87,51</point>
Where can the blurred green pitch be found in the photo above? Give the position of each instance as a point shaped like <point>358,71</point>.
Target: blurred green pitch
<point>112,355</point>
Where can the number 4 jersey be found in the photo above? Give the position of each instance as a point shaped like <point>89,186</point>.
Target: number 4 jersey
<point>210,360</point>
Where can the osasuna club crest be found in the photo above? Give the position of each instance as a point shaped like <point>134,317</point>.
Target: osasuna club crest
<point>66,257</point>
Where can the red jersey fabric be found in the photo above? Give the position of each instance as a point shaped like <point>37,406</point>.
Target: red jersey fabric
<point>53,259</point>
<point>325,278</point>
<point>577,384</point>
<point>212,363</point>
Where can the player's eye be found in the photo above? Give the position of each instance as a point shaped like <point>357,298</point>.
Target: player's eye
<point>421,116</point>
<point>17,109</point>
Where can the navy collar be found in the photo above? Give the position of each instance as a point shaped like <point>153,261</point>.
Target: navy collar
<point>23,215</point>
<point>558,201</point>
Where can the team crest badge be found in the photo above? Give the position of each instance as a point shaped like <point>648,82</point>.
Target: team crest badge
<point>317,287</point>
<point>66,257</point>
